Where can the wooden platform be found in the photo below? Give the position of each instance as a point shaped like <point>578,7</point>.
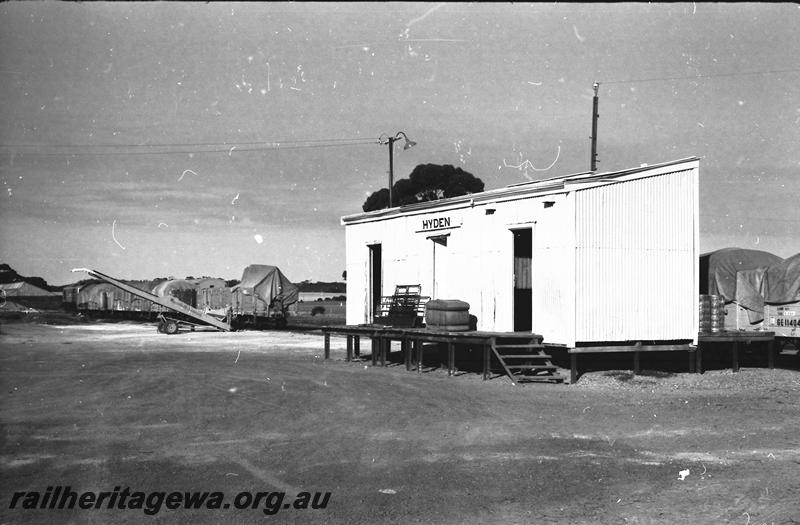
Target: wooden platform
<point>695,352</point>
<point>527,363</point>
<point>493,343</point>
<point>736,339</point>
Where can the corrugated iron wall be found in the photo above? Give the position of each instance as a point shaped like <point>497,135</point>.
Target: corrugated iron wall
<point>635,264</point>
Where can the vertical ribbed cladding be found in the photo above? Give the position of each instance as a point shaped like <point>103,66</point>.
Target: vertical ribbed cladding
<point>635,259</point>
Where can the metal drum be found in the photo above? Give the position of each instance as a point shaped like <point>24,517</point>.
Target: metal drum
<point>711,313</point>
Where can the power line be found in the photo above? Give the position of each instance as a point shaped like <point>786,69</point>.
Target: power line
<point>750,217</point>
<point>694,77</point>
<point>230,150</point>
<point>182,144</point>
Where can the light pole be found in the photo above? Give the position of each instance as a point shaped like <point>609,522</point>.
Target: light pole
<point>390,141</point>
<point>595,116</point>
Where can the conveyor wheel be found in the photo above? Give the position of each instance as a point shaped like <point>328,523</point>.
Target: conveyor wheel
<point>171,328</point>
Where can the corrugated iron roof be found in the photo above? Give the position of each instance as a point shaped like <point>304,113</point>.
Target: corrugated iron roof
<point>551,185</point>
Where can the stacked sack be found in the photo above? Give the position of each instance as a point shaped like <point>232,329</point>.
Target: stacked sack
<point>712,313</point>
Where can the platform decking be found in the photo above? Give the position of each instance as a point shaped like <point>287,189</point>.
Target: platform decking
<point>527,363</point>
<point>736,339</point>
<point>530,362</point>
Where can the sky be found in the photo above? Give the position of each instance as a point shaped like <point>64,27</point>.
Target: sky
<point>183,139</point>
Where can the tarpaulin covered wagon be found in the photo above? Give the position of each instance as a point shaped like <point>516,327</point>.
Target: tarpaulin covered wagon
<point>718,269</point>
<point>768,298</point>
<point>263,296</point>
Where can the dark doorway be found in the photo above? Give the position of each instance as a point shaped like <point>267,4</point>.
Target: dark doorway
<point>439,251</point>
<point>523,277</point>
<point>375,282</point>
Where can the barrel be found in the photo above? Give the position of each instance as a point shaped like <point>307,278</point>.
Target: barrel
<point>447,314</point>
<point>711,312</point>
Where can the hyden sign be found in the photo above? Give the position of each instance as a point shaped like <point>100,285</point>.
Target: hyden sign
<point>441,222</point>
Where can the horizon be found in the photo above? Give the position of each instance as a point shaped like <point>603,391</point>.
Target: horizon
<point>171,277</point>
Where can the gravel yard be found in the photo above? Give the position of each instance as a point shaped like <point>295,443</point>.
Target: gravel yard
<point>96,406</point>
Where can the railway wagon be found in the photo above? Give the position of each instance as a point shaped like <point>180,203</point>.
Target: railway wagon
<point>182,289</point>
<point>214,298</point>
<point>212,293</point>
<point>104,299</point>
<point>138,306</point>
<point>101,299</point>
<point>69,297</point>
<point>768,299</point>
<point>262,298</point>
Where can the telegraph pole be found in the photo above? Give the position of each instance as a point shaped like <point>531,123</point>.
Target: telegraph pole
<point>390,141</point>
<point>391,167</point>
<point>595,116</point>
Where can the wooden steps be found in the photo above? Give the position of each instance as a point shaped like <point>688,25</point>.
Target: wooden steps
<point>525,362</point>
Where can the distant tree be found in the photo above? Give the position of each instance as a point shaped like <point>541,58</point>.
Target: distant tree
<point>9,275</point>
<point>344,275</point>
<point>317,310</point>
<point>427,182</point>
<point>322,287</point>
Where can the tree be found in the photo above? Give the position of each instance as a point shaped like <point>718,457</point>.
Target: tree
<point>377,201</point>
<point>427,182</point>
<point>9,275</point>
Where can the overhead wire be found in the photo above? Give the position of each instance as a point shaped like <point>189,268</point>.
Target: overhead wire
<point>182,144</point>
<point>694,77</point>
<point>271,145</point>
<point>751,217</point>
<point>228,148</point>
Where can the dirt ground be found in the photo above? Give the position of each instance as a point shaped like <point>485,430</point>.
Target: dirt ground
<point>96,406</point>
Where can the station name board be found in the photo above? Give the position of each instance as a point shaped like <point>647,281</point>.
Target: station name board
<point>441,222</point>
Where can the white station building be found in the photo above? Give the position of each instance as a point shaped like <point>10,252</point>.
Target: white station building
<point>580,259</point>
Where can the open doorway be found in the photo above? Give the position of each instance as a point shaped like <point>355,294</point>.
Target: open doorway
<point>523,277</point>
<point>375,281</point>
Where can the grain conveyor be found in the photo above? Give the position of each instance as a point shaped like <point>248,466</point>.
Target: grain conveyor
<point>169,325</point>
